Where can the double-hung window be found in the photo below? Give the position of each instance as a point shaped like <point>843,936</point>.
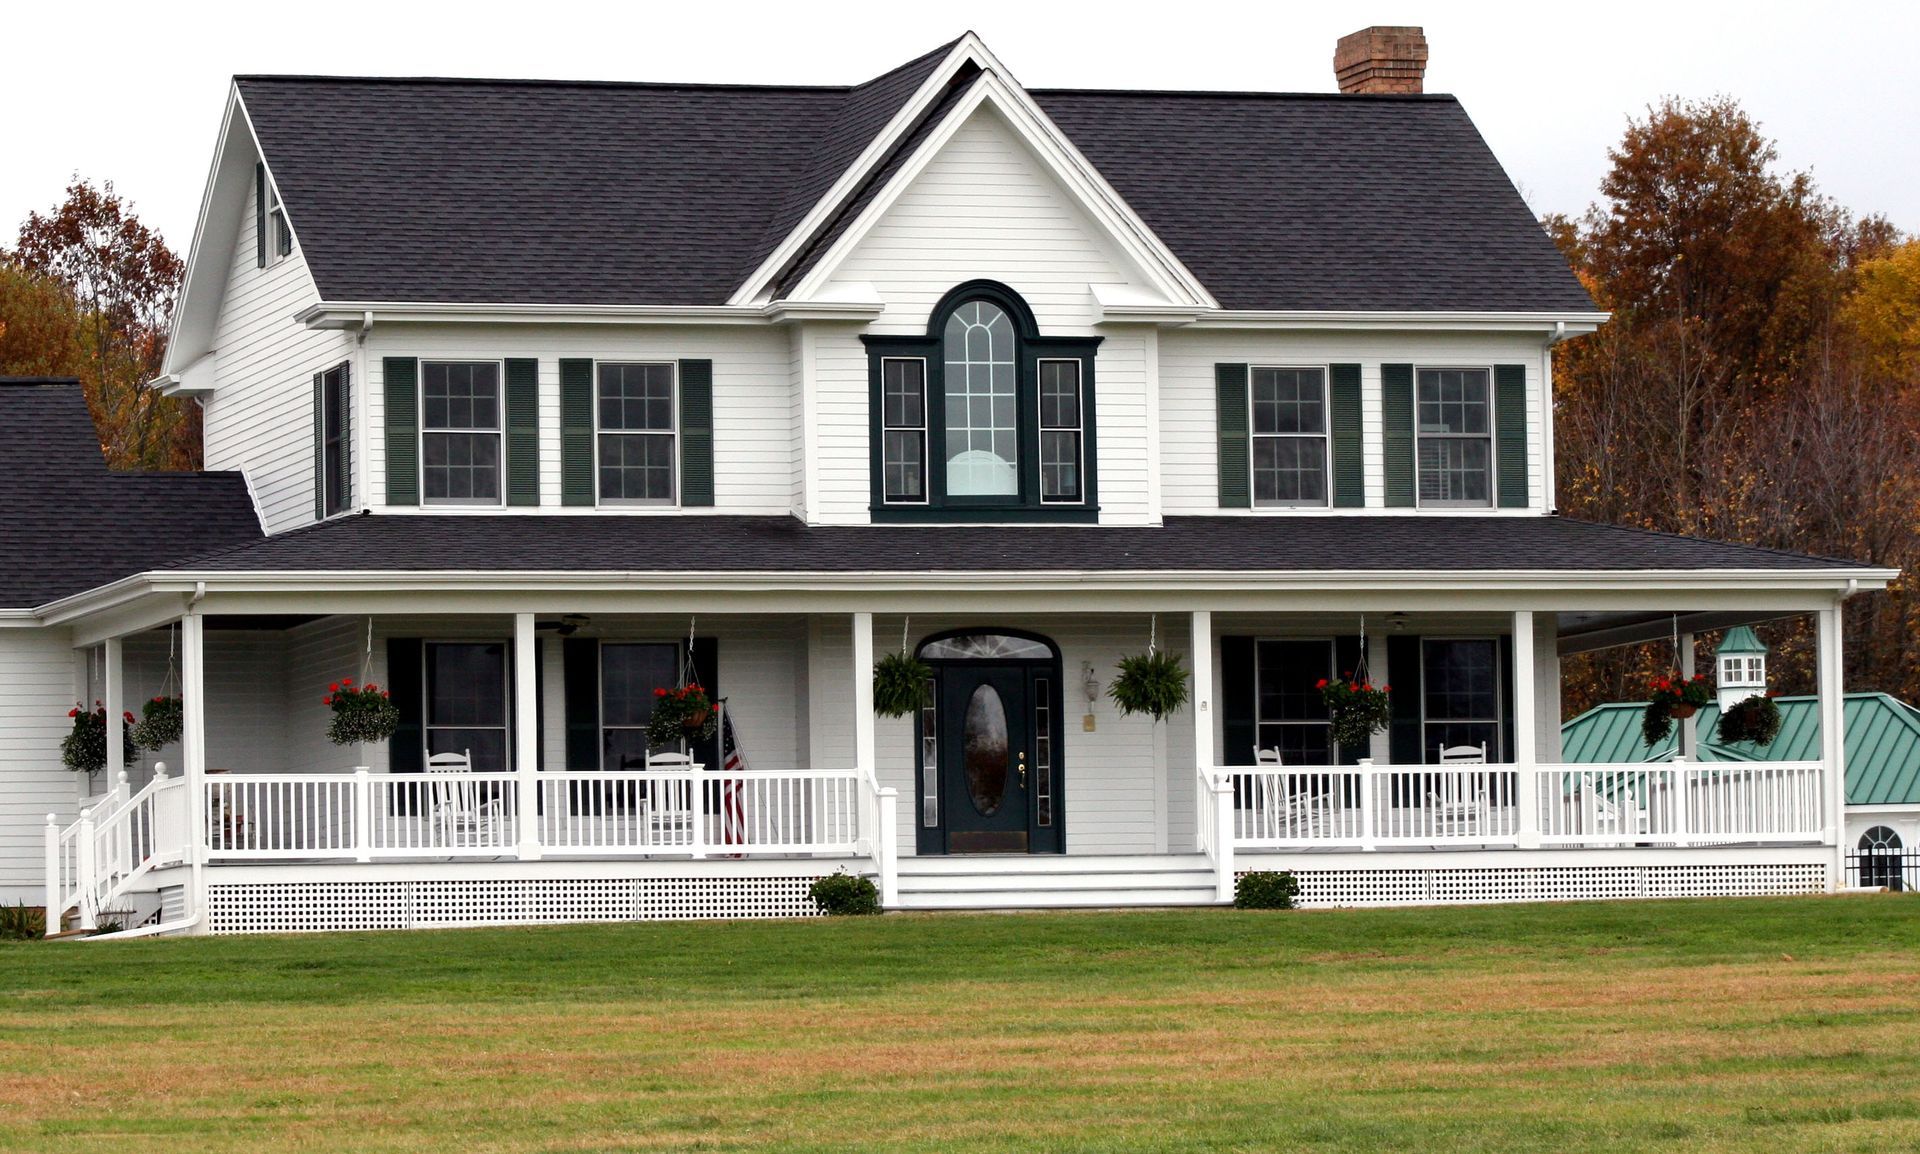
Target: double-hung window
<point>983,418</point>
<point>335,465</point>
<point>636,436</point>
<point>903,419</point>
<point>629,674</point>
<point>460,432</point>
<point>1062,459</point>
<point>1460,695</point>
<point>1455,430</point>
<point>1290,715</point>
<point>467,702</point>
<point>1289,426</point>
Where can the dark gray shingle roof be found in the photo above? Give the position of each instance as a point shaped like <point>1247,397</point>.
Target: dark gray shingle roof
<point>68,523</point>
<point>537,543</point>
<point>490,191</point>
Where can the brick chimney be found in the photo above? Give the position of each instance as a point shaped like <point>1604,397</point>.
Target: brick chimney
<point>1381,59</point>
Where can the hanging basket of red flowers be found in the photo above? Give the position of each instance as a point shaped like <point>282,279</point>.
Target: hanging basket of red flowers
<point>1671,697</point>
<point>84,749</point>
<point>1359,709</point>
<point>161,721</point>
<point>683,714</point>
<point>361,713</point>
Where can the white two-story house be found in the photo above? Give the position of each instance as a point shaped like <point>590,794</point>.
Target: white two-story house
<point>550,395</point>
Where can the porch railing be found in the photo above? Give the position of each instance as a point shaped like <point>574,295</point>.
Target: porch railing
<point>117,841</point>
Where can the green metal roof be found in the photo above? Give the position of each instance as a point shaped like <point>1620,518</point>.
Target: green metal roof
<point>1741,639</point>
<point>1883,742</point>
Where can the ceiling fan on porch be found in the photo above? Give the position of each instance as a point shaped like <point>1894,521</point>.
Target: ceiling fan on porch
<point>566,625</point>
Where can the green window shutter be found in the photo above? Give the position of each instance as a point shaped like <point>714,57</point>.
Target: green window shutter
<point>1230,407</point>
<point>523,431</point>
<point>1510,433</point>
<point>319,446</point>
<point>696,433</point>
<point>1403,673</point>
<point>580,666</point>
<point>576,438</point>
<point>1396,440</point>
<point>260,216</point>
<point>1349,470</point>
<point>402,379</point>
<point>406,683</point>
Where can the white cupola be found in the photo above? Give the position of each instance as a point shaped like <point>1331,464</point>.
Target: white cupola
<point>1743,667</point>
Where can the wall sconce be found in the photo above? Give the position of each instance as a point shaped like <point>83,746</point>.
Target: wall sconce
<point>1089,683</point>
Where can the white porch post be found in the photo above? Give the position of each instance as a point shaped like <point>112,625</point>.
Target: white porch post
<point>885,834</point>
<point>1689,726</point>
<point>115,701</point>
<point>1221,813</point>
<point>1526,737</point>
<point>526,736</point>
<point>1833,739</point>
<point>864,741</point>
<point>193,750</point>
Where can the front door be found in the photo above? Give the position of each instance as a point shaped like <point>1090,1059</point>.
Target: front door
<point>985,739</point>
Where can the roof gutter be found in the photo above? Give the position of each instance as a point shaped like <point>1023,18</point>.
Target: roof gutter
<point>361,316</point>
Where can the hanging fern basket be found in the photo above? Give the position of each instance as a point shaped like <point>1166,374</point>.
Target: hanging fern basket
<point>1153,682</point>
<point>900,685</point>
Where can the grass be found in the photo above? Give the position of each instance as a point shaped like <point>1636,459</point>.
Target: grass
<point>1754,1025</point>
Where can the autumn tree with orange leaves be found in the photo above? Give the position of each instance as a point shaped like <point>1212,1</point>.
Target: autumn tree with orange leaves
<point>1757,382</point>
<point>119,280</point>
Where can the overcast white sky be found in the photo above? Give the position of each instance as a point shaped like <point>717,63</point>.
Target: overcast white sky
<point>132,92</point>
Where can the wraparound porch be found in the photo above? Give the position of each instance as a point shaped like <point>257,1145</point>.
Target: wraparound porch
<point>828,786</point>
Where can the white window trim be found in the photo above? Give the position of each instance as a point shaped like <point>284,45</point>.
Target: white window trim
<point>1491,435</point>
<point>1040,429</point>
<point>426,696</point>
<point>276,223</point>
<point>499,432</point>
<point>1333,663</point>
<point>673,413</point>
<point>925,428</point>
<point>1497,751</point>
<point>1325,435</point>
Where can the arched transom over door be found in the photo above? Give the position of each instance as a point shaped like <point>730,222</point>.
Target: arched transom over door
<point>1882,859</point>
<point>987,762</point>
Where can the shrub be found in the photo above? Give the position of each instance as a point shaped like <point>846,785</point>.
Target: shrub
<point>22,922</point>
<point>843,894</point>
<point>1266,890</point>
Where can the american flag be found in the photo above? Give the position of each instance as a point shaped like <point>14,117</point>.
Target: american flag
<point>733,819</point>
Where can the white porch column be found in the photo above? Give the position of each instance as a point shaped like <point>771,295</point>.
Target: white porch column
<point>1203,755</point>
<point>864,741</point>
<point>1833,740</point>
<point>526,735</point>
<point>1689,726</point>
<point>1526,736</point>
<point>193,754</point>
<point>115,701</point>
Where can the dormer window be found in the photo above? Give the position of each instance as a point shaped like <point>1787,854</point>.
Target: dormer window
<point>982,419</point>
<point>1743,671</point>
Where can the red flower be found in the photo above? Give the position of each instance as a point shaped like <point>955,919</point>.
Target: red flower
<point>74,712</point>
<point>385,694</point>
<point>334,688</point>
<point>326,701</point>
<point>1386,689</point>
<point>346,681</point>
<point>1322,684</point>
<point>659,693</point>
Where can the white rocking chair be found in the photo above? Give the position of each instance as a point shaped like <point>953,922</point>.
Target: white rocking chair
<point>1458,810</point>
<point>670,807</point>
<point>459,814</point>
<point>1282,814</point>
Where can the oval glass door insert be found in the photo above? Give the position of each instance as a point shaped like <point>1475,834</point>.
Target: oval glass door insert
<point>984,749</point>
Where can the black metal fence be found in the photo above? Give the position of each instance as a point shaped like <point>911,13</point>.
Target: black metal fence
<point>1894,869</point>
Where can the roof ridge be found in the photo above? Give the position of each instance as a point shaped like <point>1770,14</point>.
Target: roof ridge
<point>537,82</point>
<point>1251,93</point>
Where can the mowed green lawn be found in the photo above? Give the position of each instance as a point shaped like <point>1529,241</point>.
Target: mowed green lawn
<point>1755,1024</point>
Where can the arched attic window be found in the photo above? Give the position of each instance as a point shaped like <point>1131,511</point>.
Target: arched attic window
<point>983,418</point>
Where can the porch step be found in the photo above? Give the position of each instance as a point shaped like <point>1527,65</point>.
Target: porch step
<point>1023,882</point>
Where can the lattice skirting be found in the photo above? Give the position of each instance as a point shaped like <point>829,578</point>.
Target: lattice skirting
<point>1392,887</point>
<point>294,907</point>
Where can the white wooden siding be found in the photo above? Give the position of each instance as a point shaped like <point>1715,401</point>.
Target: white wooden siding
<point>259,417</point>
<point>753,438</point>
<point>984,207</point>
<point>36,690</point>
<point>1189,436</point>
